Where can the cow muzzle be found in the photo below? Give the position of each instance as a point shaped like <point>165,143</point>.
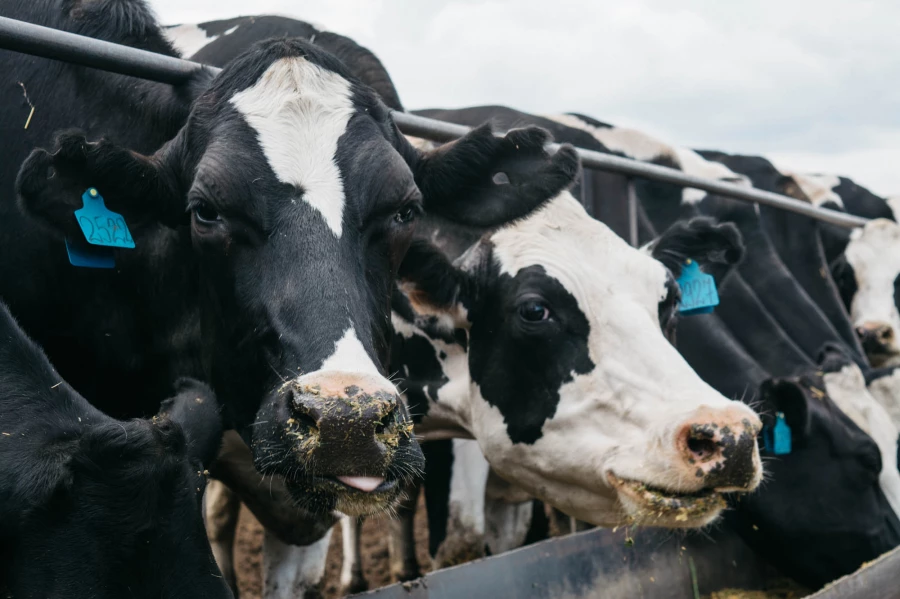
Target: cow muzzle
<point>715,452</point>
<point>345,442</point>
<point>879,341</point>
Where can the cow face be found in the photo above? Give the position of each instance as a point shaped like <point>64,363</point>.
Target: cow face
<point>831,461</point>
<point>868,278</point>
<point>292,196</point>
<point>573,392</point>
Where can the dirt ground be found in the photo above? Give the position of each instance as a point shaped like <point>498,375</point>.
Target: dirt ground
<point>248,554</point>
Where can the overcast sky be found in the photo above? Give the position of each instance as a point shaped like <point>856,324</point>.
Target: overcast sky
<point>812,84</point>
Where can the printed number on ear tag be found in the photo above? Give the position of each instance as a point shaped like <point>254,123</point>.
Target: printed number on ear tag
<point>778,437</point>
<point>100,225</point>
<point>698,290</point>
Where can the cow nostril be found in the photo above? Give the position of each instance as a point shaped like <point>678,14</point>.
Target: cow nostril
<point>886,334</point>
<point>702,448</point>
<point>305,420</point>
<point>383,424</point>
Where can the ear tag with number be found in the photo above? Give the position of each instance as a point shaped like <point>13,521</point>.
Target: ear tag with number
<point>778,437</point>
<point>698,290</point>
<point>83,254</point>
<point>100,225</point>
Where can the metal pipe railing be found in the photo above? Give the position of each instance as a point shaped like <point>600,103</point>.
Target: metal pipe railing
<point>50,43</point>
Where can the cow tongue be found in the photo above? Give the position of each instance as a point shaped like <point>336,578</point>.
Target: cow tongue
<point>366,484</point>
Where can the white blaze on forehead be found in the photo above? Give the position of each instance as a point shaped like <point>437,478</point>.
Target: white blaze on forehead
<point>818,188</point>
<point>640,146</point>
<point>350,356</point>
<point>187,39</point>
<point>847,388</point>
<point>874,254</point>
<point>299,111</point>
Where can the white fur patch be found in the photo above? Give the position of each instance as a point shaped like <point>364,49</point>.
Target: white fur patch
<point>640,146</point>
<point>299,112</point>
<point>886,390</point>
<point>289,571</point>
<point>350,356</point>
<point>894,203</point>
<point>818,188</point>
<point>187,39</point>
<point>468,481</point>
<point>349,542</point>
<point>874,254</point>
<point>847,388</point>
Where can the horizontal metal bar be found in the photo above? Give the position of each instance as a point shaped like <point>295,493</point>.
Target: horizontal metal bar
<point>36,40</point>
<point>441,131</point>
<point>59,45</point>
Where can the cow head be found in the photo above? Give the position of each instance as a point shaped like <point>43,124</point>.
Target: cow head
<point>827,493</point>
<point>571,388</point>
<point>868,278</point>
<point>104,508</point>
<point>293,197</point>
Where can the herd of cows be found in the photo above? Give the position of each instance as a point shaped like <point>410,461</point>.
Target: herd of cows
<point>319,313</point>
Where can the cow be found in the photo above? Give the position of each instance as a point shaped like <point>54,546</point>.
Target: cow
<point>868,277</point>
<point>94,507</point>
<point>270,206</point>
<point>726,357</point>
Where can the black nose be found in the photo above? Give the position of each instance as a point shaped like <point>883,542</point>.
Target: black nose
<point>876,337</point>
<point>345,423</point>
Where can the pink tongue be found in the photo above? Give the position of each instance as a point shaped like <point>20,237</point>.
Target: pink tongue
<point>363,483</point>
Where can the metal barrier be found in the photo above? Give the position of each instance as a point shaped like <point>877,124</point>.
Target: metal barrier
<point>41,41</point>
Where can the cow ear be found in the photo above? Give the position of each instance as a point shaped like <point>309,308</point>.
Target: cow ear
<point>432,286</point>
<point>715,247</point>
<point>486,181</point>
<point>195,409</point>
<point>141,188</point>
<point>788,396</point>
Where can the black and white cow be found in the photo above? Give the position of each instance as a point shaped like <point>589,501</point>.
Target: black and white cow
<point>724,362</point>
<point>270,207</point>
<point>95,507</point>
<point>868,276</point>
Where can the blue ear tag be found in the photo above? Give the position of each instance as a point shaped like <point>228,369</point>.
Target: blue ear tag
<point>778,437</point>
<point>85,255</point>
<point>698,290</point>
<point>100,225</point>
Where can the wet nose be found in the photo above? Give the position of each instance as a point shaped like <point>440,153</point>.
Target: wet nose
<point>718,447</point>
<point>347,422</point>
<point>875,336</point>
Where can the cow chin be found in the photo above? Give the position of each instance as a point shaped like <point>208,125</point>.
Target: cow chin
<point>325,495</point>
<point>647,505</point>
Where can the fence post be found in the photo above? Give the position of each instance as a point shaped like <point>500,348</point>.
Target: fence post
<point>632,214</point>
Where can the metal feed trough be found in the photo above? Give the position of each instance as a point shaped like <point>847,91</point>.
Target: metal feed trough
<point>652,563</point>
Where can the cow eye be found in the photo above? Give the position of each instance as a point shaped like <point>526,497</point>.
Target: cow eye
<point>206,214</point>
<point>534,310</point>
<point>404,215</point>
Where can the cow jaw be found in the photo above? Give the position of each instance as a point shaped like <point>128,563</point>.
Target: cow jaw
<point>651,506</point>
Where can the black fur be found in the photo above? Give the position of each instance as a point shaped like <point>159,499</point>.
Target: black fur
<point>95,507</point>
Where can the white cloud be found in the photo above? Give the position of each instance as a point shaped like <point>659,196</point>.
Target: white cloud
<point>813,81</point>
